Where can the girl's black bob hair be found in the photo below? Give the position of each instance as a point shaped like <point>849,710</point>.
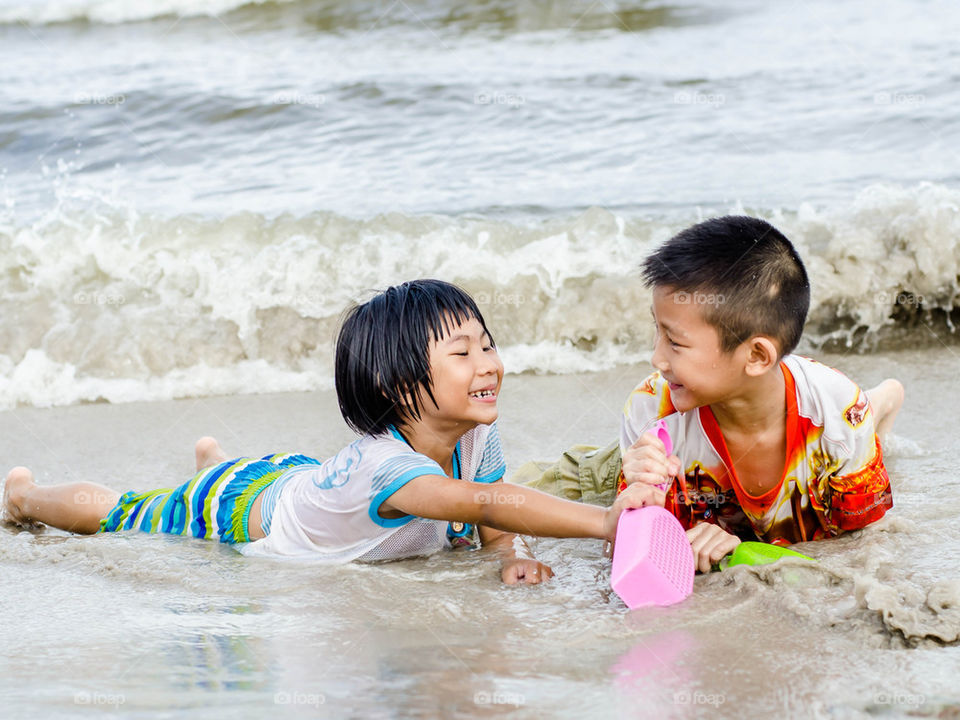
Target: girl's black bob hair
<point>383,351</point>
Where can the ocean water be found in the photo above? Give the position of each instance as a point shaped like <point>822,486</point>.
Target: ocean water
<point>192,192</point>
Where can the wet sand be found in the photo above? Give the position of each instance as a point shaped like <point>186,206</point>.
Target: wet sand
<point>156,627</point>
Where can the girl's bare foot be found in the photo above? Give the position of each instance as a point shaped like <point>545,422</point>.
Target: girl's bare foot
<point>77,507</point>
<point>208,452</point>
<point>19,480</point>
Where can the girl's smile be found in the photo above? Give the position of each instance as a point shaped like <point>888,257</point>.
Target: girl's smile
<point>485,395</point>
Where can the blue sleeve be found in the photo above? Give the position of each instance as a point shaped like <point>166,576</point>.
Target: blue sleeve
<point>391,475</point>
<point>492,466</point>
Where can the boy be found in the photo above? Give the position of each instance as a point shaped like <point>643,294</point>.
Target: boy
<point>769,446</point>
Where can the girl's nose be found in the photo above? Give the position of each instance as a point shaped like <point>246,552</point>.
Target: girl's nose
<point>490,364</point>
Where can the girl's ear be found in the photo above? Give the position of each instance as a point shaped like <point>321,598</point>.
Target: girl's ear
<point>762,355</point>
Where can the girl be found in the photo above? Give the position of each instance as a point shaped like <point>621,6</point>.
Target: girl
<point>418,376</point>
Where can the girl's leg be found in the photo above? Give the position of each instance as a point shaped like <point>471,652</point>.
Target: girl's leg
<point>885,400</point>
<point>77,507</point>
<point>208,452</point>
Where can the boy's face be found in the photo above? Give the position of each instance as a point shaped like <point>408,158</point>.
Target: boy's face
<point>687,352</point>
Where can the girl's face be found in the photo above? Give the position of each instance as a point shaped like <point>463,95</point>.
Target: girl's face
<point>466,372</point>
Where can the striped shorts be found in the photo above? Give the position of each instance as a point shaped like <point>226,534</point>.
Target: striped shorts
<point>214,504</point>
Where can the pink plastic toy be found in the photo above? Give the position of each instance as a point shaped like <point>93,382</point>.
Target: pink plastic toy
<point>652,559</point>
<point>660,430</point>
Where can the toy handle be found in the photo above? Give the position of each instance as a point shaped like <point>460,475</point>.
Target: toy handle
<point>660,430</point>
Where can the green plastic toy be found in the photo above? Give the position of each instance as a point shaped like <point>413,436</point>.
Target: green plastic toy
<point>758,553</point>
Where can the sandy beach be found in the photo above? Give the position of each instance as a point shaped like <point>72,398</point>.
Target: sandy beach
<point>159,626</point>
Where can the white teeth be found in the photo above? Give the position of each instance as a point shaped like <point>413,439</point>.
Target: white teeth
<point>482,394</point>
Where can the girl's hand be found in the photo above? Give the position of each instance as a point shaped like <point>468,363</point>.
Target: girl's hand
<point>635,496</point>
<point>518,565</point>
<point>528,571</point>
<point>710,543</point>
<point>646,462</point>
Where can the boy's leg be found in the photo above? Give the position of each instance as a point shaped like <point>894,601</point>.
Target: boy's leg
<point>77,507</point>
<point>885,400</point>
<point>584,473</point>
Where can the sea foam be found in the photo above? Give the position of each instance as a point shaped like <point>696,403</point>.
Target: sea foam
<point>111,304</point>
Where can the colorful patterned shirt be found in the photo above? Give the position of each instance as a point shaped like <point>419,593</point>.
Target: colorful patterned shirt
<point>833,476</point>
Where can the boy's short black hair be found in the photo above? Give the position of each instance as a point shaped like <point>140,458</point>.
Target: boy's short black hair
<point>382,364</point>
<point>744,272</point>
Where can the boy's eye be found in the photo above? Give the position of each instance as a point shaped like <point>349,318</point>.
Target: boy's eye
<point>488,348</point>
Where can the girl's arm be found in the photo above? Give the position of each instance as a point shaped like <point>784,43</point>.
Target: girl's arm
<point>514,508</point>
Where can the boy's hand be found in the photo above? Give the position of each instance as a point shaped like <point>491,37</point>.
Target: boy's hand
<point>646,462</point>
<point>528,571</point>
<point>710,544</point>
<point>635,496</point>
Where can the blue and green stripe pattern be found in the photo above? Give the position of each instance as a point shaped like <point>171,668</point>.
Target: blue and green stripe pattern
<point>214,504</point>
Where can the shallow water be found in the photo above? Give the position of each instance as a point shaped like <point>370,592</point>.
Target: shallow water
<point>161,627</point>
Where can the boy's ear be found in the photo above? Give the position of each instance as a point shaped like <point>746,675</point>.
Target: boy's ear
<point>762,355</point>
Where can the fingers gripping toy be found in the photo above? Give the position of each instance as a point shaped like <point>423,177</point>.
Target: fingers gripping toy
<point>652,560</point>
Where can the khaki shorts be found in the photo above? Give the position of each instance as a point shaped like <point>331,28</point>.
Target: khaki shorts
<point>584,472</point>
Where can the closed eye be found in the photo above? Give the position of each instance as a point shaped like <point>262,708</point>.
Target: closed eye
<point>657,332</point>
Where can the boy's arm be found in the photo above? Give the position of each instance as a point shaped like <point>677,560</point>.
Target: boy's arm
<point>854,500</point>
<point>856,491</point>
<point>514,508</point>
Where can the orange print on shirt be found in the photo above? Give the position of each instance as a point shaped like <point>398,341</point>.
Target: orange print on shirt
<point>856,412</point>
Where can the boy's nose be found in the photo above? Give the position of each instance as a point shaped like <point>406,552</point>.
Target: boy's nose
<point>657,359</point>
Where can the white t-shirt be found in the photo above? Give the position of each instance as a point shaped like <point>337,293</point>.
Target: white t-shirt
<point>331,511</point>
